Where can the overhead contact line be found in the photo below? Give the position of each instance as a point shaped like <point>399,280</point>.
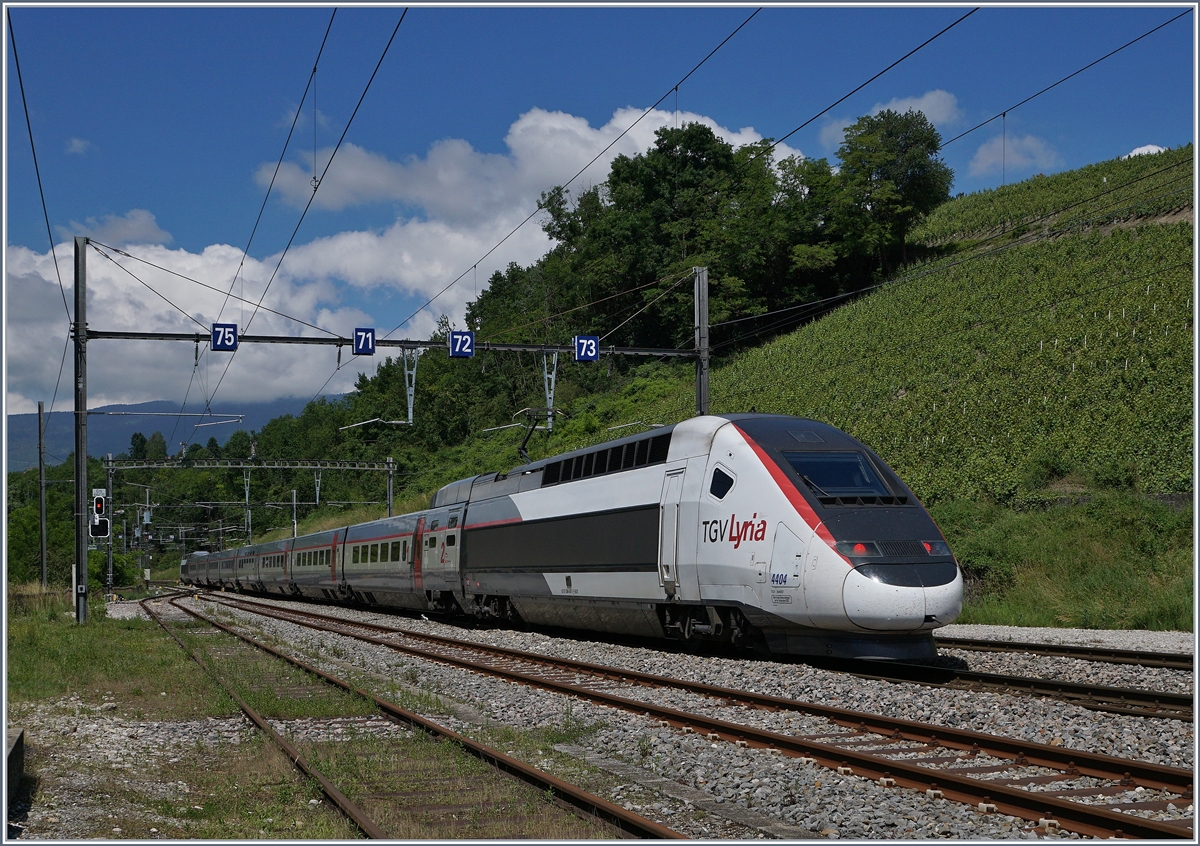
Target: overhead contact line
<point>45,214</point>
<point>308,205</point>
<point>581,170</point>
<point>1065,78</point>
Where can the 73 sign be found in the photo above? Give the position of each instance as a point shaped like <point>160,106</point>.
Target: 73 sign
<point>224,337</point>
<point>587,348</point>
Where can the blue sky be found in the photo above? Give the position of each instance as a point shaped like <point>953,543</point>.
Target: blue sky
<point>157,129</point>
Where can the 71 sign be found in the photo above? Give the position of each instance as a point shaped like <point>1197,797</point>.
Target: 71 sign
<point>364,341</point>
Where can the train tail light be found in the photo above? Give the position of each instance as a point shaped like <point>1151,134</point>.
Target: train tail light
<point>937,548</point>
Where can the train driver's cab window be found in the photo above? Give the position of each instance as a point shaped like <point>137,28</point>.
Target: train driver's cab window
<point>721,484</point>
<point>837,473</point>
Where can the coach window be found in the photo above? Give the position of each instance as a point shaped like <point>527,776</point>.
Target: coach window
<point>354,555</point>
<point>395,550</point>
<point>374,553</point>
<point>453,522</point>
<point>449,540</point>
<point>721,483</point>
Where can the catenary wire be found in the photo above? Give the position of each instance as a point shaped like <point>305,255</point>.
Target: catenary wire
<point>577,308</point>
<point>308,205</point>
<point>578,174</point>
<point>1065,78</point>
<point>147,287</point>
<point>213,288</point>
<point>942,268</point>
<point>875,77</point>
<point>279,163</point>
<point>647,305</point>
<point>974,255</point>
<point>36,170</point>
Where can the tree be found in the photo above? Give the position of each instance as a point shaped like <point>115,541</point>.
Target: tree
<point>156,447</point>
<point>137,446</point>
<point>891,176</point>
<point>213,448</point>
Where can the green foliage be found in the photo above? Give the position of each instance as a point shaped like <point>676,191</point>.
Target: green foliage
<point>1115,561</point>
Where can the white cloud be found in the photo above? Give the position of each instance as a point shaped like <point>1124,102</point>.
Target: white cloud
<point>940,107</point>
<point>137,226</point>
<point>1144,150</point>
<point>78,146</point>
<point>1014,155</point>
<point>458,184</point>
<point>834,132</point>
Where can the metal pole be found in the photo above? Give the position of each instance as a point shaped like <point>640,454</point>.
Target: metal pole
<point>82,511</point>
<point>701,275</point>
<point>108,500</point>
<point>246,476</point>
<point>293,513</point>
<point>391,471</point>
<point>42,483</point>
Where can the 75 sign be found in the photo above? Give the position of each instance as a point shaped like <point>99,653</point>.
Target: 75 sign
<point>224,337</point>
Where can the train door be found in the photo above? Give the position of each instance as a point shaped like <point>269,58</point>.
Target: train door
<point>668,538</point>
<point>418,555</point>
<point>333,557</point>
<point>787,573</point>
<point>451,549</point>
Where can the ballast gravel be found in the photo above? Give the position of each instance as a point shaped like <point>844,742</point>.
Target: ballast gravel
<point>776,789</point>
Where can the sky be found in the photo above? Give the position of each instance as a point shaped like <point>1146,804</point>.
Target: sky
<point>158,131</point>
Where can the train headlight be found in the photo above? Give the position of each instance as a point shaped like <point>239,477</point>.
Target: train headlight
<point>858,549</point>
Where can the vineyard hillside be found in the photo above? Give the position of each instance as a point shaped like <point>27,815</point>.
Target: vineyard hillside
<point>1139,187</point>
<point>995,372</point>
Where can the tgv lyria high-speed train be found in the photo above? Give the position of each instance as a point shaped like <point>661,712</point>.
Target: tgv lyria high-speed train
<point>774,531</point>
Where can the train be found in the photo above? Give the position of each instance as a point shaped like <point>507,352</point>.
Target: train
<point>779,533</point>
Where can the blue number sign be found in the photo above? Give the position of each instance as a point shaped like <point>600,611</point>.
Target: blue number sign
<point>224,337</point>
<point>462,344</point>
<point>364,342</point>
<point>587,348</point>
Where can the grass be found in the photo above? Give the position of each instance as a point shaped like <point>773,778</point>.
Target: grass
<point>1115,561</point>
<point>50,656</point>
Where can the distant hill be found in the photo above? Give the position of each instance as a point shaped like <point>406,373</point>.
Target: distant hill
<point>112,433</point>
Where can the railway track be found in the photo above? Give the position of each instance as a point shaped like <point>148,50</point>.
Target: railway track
<point>1167,660</point>
<point>1133,702</point>
<point>1087,793</point>
<point>463,801</point>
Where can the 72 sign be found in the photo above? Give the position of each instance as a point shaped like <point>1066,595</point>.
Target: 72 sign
<point>224,337</point>
<point>364,342</point>
<point>462,344</point>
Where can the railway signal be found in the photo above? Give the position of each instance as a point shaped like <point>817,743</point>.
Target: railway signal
<point>99,525</point>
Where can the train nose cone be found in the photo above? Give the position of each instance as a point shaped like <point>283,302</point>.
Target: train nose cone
<point>898,597</point>
<point>875,604</point>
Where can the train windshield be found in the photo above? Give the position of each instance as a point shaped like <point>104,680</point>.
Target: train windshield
<point>837,473</point>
